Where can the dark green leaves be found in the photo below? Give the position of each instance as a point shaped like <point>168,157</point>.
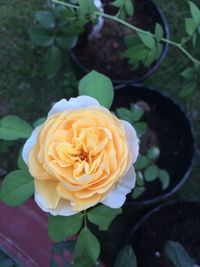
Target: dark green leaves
<point>191,75</point>
<point>16,188</point>
<point>40,36</point>
<point>153,153</point>
<point>103,216</point>
<point>53,61</point>
<point>125,6</point>
<point>178,255</point>
<point>126,258</point>
<point>86,7</point>
<point>164,178</point>
<point>61,227</point>
<point>87,249</point>
<point>13,128</point>
<point>98,86</point>
<point>147,40</point>
<point>195,11</point>
<point>45,18</point>
<point>151,173</point>
<point>192,24</point>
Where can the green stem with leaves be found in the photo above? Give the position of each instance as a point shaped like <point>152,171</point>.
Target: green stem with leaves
<point>117,19</point>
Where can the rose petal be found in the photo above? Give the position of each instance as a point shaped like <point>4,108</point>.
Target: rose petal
<point>29,144</point>
<point>64,208</point>
<point>117,196</point>
<point>73,103</point>
<point>40,202</point>
<point>132,139</point>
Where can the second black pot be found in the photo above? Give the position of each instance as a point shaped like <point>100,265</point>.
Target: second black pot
<point>175,137</point>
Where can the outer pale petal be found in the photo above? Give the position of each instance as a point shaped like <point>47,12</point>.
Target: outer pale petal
<point>73,103</point>
<point>132,139</point>
<point>117,196</point>
<point>63,209</point>
<point>29,144</point>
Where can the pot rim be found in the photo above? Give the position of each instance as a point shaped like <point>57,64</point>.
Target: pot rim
<point>193,142</point>
<point>154,65</point>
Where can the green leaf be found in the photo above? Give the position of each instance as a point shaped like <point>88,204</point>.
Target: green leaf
<point>153,153</point>
<point>126,258</point>
<point>98,86</point>
<point>138,191</point>
<point>13,128</point>
<point>87,7</point>
<point>159,32</point>
<point>194,39</point>
<point>164,178</point>
<point>45,18</point>
<point>147,40</point>
<point>195,11</point>
<point>136,53</point>
<point>39,122</point>
<point>188,90</point>
<point>125,114</point>
<point>190,26</point>
<point>131,40</point>
<point>139,178</point>
<point>151,173</point>
<point>66,42</point>
<point>189,74</point>
<point>141,162</point>
<point>140,128</point>
<point>151,57</point>
<point>137,112</point>
<point>159,50</point>
<point>61,227</point>
<point>129,7</point>
<point>21,164</point>
<point>103,216</point>
<point>41,36</point>
<point>118,3</point>
<point>17,187</point>
<point>178,255</point>
<point>53,61</point>
<point>87,249</point>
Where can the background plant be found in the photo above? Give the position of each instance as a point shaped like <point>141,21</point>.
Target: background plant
<point>146,168</point>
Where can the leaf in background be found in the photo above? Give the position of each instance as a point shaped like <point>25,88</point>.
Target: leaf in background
<point>194,39</point>
<point>189,74</point>
<point>164,178</point>
<point>159,50</point>
<point>66,42</point>
<point>195,11</point>
<point>159,32</point>
<point>12,128</point>
<point>61,227</point>
<point>140,128</point>
<point>151,173</point>
<point>41,36</point>
<point>87,7</point>
<point>39,122</point>
<point>125,114</point>
<point>188,90</point>
<point>151,57</point>
<point>21,164</point>
<point>16,188</point>
<point>147,40</point>
<point>103,216</point>
<point>45,18</point>
<point>118,3</point>
<point>153,153</point>
<point>141,162</point>
<point>126,258</point>
<point>137,111</point>
<point>131,40</point>
<point>178,255</point>
<point>138,191</point>
<point>98,86</point>
<point>53,60</point>
<point>129,7</point>
<point>136,53</point>
<point>87,249</point>
<point>190,26</point>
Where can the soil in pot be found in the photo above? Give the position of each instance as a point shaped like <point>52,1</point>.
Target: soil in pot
<point>104,53</point>
<point>179,222</point>
<point>170,131</point>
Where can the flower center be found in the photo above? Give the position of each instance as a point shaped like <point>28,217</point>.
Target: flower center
<point>84,156</point>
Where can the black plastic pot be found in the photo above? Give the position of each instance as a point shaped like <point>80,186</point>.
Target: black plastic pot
<point>175,138</point>
<point>159,17</point>
<point>177,221</point>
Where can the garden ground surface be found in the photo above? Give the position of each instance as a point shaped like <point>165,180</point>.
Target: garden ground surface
<point>25,91</point>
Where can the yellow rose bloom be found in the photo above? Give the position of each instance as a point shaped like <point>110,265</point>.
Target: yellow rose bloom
<point>80,156</point>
